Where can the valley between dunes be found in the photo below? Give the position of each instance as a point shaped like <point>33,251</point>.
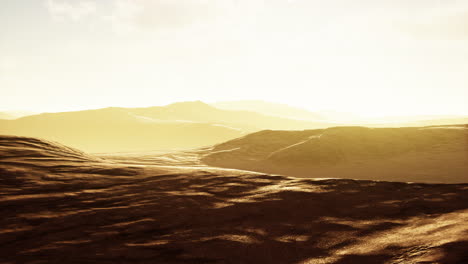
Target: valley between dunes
<point>60,205</point>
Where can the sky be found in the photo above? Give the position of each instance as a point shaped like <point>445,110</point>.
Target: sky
<point>369,57</point>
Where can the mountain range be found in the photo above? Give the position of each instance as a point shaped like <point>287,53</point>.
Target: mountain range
<point>186,124</point>
<point>178,125</point>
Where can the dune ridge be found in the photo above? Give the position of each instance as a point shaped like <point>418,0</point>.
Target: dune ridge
<point>59,205</point>
<point>428,154</point>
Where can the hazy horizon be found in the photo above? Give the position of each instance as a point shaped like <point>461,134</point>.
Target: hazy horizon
<point>359,116</point>
<point>372,58</point>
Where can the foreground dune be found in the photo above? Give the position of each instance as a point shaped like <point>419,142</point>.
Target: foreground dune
<point>59,205</point>
<point>421,154</point>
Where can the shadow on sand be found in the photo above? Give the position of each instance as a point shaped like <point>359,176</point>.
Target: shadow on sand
<point>230,217</point>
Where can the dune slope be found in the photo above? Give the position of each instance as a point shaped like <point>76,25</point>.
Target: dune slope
<point>59,205</point>
<point>426,154</point>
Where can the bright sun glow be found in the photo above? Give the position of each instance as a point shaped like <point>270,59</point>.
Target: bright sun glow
<point>371,58</point>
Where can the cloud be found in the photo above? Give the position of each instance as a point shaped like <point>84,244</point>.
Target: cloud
<point>8,64</point>
<point>154,14</point>
<point>175,14</point>
<point>68,9</point>
<point>442,26</point>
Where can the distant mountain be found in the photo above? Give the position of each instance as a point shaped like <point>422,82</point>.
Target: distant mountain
<point>14,114</point>
<point>427,154</point>
<point>179,125</point>
<point>418,121</point>
<point>286,111</point>
<point>272,109</point>
<point>247,121</point>
<point>339,118</point>
<point>5,115</point>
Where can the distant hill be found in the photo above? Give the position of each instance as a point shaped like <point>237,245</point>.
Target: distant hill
<point>423,121</point>
<point>14,114</point>
<point>179,125</point>
<point>340,118</point>
<point>272,109</point>
<point>427,154</point>
<point>286,111</point>
<point>248,121</point>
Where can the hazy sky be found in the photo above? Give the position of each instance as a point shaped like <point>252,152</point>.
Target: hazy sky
<point>372,57</point>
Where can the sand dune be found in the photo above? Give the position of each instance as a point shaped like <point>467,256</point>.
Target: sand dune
<point>428,154</point>
<point>179,125</point>
<point>59,205</point>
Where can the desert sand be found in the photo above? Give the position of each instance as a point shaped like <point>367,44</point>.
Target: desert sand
<point>422,154</point>
<point>60,205</point>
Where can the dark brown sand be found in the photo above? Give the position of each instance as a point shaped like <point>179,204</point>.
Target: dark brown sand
<point>59,205</point>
